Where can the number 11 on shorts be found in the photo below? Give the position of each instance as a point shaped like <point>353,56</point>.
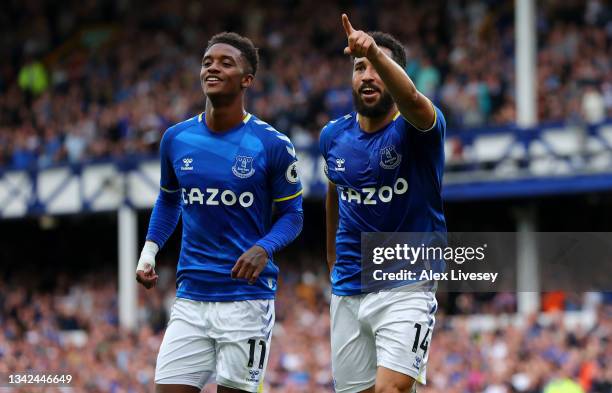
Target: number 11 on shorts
<point>262,356</point>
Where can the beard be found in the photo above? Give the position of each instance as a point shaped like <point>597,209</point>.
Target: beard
<point>381,108</point>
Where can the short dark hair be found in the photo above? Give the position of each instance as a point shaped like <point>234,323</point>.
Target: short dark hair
<point>243,44</point>
<point>398,53</point>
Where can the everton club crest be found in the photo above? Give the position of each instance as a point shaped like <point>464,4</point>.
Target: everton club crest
<point>243,167</point>
<point>389,158</point>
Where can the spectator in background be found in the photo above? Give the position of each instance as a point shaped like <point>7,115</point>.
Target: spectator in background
<point>564,382</point>
<point>51,148</point>
<point>33,78</point>
<point>428,78</point>
<point>25,148</point>
<point>593,106</point>
<point>75,144</point>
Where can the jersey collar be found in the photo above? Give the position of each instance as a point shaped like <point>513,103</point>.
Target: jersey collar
<point>369,134</point>
<point>245,119</point>
<point>357,116</point>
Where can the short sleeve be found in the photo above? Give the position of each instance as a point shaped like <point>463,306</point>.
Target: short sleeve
<point>285,179</point>
<point>439,126</point>
<point>324,140</point>
<point>168,181</point>
<point>432,137</point>
<point>427,146</point>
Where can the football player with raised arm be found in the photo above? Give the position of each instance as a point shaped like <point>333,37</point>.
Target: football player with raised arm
<point>222,171</point>
<point>384,163</point>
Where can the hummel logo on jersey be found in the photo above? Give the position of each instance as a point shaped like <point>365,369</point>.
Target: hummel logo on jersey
<point>372,195</point>
<point>389,158</point>
<point>340,164</point>
<point>187,164</point>
<point>243,167</point>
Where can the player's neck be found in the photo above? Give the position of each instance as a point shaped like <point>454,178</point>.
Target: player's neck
<point>373,124</point>
<point>224,117</point>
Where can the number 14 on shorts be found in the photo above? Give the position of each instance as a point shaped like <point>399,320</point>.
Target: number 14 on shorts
<point>420,344</point>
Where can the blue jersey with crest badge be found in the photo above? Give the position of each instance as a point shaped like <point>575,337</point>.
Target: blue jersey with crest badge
<point>387,181</point>
<point>227,183</point>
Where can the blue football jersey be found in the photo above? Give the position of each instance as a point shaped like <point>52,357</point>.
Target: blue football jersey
<point>228,183</point>
<point>387,181</point>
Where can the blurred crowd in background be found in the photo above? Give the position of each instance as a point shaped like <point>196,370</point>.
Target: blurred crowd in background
<point>98,79</point>
<point>73,326</point>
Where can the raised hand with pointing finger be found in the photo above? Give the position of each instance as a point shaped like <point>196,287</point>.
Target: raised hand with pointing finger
<point>360,43</point>
<point>398,135</point>
<point>381,86</point>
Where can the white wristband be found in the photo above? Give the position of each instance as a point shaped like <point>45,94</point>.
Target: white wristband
<point>147,255</point>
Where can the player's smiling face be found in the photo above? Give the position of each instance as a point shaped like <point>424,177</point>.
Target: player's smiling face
<point>369,92</point>
<point>224,71</point>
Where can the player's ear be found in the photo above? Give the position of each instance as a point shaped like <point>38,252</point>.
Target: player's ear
<point>247,81</point>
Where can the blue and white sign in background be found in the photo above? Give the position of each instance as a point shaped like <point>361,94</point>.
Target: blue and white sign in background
<point>480,164</point>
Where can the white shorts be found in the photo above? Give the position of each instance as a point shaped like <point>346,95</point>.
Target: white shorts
<point>229,339</point>
<point>390,329</point>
